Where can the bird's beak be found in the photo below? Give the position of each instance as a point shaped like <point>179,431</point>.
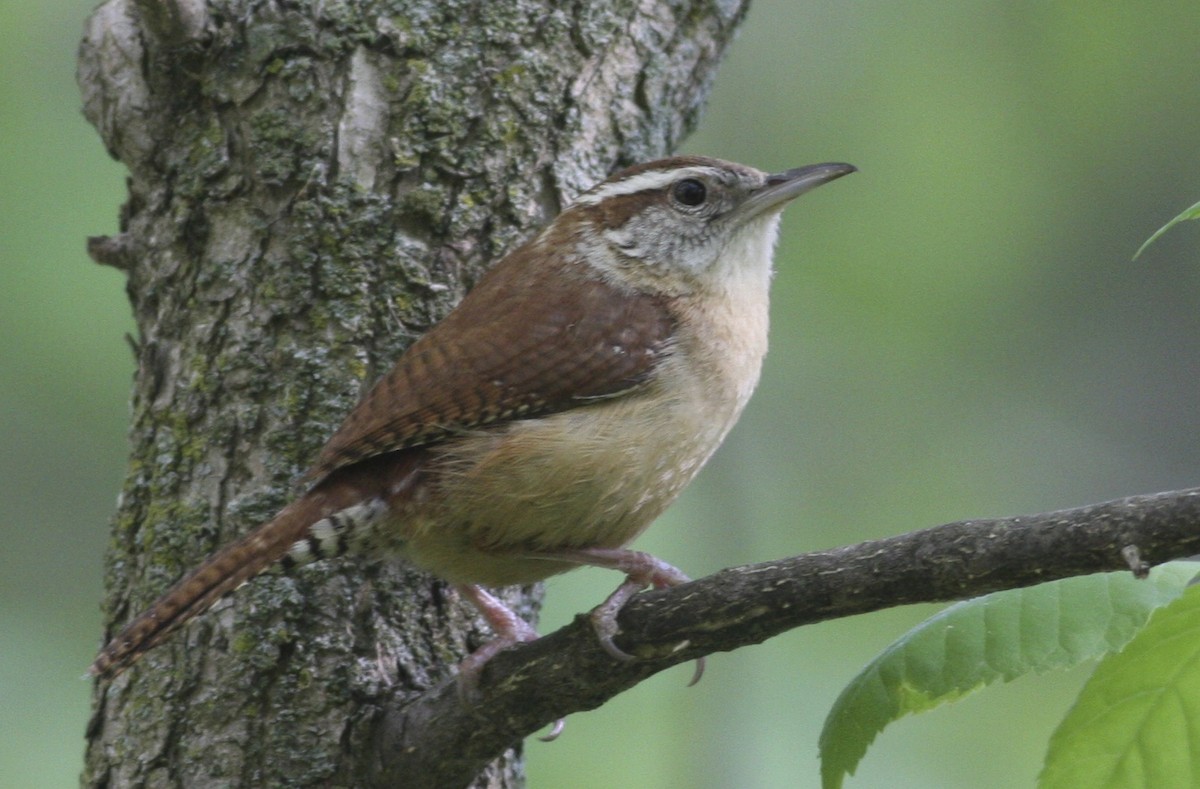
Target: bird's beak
<point>790,184</point>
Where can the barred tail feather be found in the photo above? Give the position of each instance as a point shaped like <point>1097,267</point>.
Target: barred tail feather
<point>223,572</point>
<point>335,516</point>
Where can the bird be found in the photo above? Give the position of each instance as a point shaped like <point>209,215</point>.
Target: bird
<point>551,416</point>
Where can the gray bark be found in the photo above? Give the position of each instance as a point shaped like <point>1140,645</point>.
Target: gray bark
<point>310,187</point>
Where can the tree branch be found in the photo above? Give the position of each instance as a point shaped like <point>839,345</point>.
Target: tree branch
<point>526,688</point>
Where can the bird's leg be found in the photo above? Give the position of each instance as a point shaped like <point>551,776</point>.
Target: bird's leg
<point>641,570</point>
<point>509,629</point>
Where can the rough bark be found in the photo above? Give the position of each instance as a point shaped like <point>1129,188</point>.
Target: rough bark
<point>311,186</point>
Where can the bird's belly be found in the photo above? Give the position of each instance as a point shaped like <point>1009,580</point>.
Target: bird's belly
<point>591,477</point>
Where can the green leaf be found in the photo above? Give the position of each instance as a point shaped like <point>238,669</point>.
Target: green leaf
<point>1137,721</point>
<point>1000,636</point>
<point>1191,213</point>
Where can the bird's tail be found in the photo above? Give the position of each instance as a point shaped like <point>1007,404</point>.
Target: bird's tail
<point>220,574</point>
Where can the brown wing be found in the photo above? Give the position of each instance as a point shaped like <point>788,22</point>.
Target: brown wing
<point>526,341</point>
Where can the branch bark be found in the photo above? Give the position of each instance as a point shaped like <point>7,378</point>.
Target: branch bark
<point>311,185</point>
<point>525,688</point>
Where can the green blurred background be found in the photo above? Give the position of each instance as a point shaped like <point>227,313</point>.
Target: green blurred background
<point>958,331</point>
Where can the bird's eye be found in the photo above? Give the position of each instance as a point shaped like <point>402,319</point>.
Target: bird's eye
<point>689,192</point>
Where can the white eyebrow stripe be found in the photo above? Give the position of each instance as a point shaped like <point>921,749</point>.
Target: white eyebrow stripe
<point>642,182</point>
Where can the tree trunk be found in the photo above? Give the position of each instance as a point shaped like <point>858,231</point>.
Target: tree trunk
<point>311,187</point>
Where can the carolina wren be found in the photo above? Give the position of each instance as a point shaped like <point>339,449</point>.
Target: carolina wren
<point>552,415</point>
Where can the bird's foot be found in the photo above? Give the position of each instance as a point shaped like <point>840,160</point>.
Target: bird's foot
<point>641,570</point>
<point>509,630</point>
